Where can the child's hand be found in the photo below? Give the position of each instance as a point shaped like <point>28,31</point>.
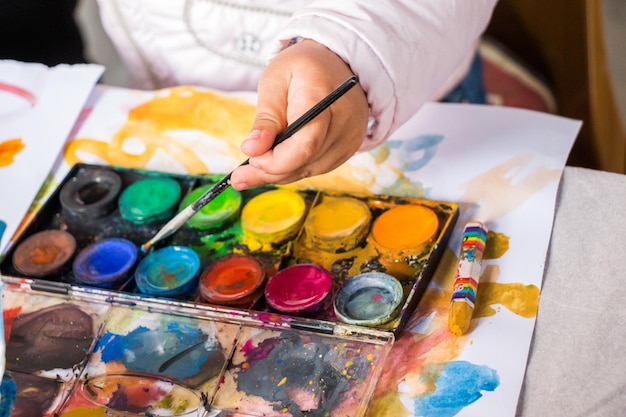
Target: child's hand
<point>293,82</point>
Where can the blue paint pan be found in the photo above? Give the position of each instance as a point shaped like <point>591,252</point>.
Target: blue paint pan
<point>105,263</point>
<point>170,271</point>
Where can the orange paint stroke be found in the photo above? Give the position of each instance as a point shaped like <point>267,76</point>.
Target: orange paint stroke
<point>8,150</point>
<point>153,140</point>
<point>503,188</point>
<point>9,315</point>
<point>154,125</point>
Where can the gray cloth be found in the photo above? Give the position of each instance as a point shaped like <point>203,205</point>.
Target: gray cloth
<point>577,360</point>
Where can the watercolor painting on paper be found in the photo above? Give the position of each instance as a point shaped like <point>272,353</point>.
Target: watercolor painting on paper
<point>510,164</point>
<point>502,166</point>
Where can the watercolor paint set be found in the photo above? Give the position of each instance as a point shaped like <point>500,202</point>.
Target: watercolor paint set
<point>270,301</point>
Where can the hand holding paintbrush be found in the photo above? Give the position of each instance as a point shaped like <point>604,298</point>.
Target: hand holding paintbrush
<point>181,218</point>
<point>293,81</point>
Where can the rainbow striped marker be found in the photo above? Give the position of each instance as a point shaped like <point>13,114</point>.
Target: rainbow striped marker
<point>467,277</point>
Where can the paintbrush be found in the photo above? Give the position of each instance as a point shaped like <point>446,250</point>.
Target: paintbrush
<point>181,218</point>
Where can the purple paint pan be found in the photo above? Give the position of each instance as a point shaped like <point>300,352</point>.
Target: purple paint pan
<point>300,288</point>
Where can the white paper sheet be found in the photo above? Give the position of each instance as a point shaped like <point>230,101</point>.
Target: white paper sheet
<point>38,107</point>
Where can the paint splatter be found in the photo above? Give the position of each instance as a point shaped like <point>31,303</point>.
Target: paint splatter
<point>437,389</point>
<point>8,150</point>
<point>454,385</point>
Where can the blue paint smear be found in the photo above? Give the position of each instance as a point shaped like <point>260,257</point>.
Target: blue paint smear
<point>416,152</point>
<point>145,350</point>
<point>458,385</point>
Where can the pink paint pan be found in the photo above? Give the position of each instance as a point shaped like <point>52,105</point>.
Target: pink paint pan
<point>300,288</point>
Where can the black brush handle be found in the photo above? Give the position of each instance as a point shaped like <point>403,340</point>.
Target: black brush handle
<point>290,130</point>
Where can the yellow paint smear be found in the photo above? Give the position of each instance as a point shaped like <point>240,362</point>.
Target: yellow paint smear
<point>520,299</point>
<point>497,245</point>
<point>388,405</point>
<point>8,150</point>
<point>86,412</point>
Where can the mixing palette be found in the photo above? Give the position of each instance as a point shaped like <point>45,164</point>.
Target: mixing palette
<point>87,354</point>
<point>320,280</point>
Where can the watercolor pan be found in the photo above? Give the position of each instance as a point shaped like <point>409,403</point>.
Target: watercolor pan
<point>145,335</point>
<point>278,227</point>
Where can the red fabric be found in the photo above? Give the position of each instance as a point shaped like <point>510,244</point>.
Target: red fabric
<point>505,89</point>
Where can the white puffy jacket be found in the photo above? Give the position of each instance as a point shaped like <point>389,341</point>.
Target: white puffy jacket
<point>405,52</point>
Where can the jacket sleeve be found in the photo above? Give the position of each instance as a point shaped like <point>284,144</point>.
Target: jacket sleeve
<point>405,52</point>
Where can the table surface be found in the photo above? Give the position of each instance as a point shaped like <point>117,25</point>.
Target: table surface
<point>577,359</point>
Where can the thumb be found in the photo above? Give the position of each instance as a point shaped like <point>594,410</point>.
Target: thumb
<point>260,139</point>
<point>269,120</point>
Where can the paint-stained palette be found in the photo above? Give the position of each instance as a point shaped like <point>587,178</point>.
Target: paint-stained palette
<point>318,281</point>
<point>85,354</point>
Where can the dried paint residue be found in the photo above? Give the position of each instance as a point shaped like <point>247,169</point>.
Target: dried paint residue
<point>49,338</point>
<point>150,351</point>
<point>140,394</point>
<point>303,375</point>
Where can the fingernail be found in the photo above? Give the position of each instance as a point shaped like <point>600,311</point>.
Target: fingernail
<point>254,135</point>
<point>240,186</point>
